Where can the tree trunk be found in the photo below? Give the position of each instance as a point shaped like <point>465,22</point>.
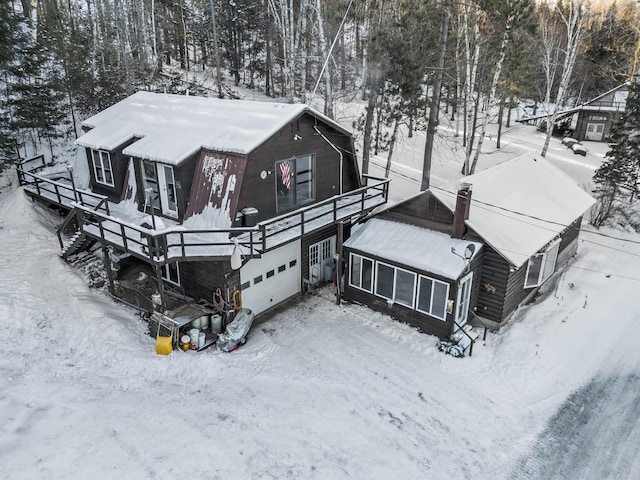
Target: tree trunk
<point>492,94</point>
<point>216,49</point>
<point>500,115</point>
<point>435,99</point>
<point>392,144</point>
<point>269,66</point>
<point>368,127</point>
<point>573,23</point>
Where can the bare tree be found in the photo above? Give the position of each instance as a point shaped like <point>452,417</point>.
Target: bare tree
<point>572,18</point>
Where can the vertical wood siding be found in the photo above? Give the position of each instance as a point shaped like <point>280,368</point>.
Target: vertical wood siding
<point>260,193</point>
<point>119,166</point>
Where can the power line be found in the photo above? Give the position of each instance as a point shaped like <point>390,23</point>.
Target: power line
<point>604,273</point>
<point>526,215</point>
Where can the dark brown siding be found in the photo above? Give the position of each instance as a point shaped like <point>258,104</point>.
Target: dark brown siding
<point>492,285</point>
<point>185,173</point>
<point>423,211</point>
<point>200,280</point>
<point>569,235</point>
<point>261,193</point>
<point>516,292</point>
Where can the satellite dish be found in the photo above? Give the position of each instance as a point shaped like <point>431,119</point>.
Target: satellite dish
<point>468,252</point>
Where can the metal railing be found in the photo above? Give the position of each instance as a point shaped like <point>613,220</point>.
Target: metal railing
<point>92,214</point>
<point>178,243</point>
<point>59,192</point>
<point>471,339</point>
<point>33,164</point>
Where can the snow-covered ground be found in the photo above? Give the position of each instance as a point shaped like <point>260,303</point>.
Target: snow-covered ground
<point>321,391</point>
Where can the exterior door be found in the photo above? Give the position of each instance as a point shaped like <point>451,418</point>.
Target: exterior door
<point>167,184</point>
<point>464,298</point>
<point>160,181</point>
<point>595,132</point>
<point>319,253</point>
<point>150,185</point>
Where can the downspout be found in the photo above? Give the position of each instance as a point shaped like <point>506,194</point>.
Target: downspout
<point>336,149</point>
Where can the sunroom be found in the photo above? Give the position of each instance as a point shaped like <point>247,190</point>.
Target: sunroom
<point>418,276</point>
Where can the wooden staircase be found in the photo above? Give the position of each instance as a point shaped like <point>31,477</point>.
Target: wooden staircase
<point>77,243</point>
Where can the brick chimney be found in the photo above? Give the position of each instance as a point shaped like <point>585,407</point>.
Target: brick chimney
<point>461,213</point>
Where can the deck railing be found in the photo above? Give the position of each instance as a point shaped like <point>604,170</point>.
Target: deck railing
<point>32,164</point>
<point>59,192</point>
<point>178,243</point>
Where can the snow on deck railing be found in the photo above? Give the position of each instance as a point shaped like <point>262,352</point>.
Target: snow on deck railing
<point>178,243</point>
<point>32,164</point>
<point>60,192</point>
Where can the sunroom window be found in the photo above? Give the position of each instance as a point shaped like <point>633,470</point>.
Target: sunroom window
<point>102,167</point>
<point>361,273</point>
<point>395,284</point>
<point>541,266</point>
<point>432,297</point>
<point>424,294</point>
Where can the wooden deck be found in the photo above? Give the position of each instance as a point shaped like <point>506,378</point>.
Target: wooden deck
<point>90,213</point>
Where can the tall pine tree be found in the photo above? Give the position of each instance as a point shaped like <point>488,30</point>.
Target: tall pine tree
<point>617,178</point>
<point>9,40</point>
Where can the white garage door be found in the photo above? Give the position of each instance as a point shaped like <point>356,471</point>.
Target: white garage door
<point>272,278</point>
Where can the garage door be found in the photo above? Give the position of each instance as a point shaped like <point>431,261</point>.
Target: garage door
<point>272,278</point>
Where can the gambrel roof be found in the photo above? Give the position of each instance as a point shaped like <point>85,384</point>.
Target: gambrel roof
<point>171,128</point>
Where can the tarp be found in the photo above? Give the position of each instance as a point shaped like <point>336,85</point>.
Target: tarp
<point>236,331</point>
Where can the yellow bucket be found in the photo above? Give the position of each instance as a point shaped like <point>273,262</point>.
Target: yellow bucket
<point>164,345</point>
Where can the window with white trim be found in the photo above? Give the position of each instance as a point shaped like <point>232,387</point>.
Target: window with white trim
<point>395,284</point>
<point>171,273</point>
<point>361,273</point>
<point>102,167</point>
<point>541,266</point>
<point>432,297</point>
<point>419,292</point>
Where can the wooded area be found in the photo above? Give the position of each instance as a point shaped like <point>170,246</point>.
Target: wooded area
<point>410,61</point>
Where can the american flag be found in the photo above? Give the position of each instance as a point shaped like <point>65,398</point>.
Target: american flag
<point>286,174</point>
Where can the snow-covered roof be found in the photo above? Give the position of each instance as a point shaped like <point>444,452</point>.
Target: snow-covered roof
<point>415,247</point>
<point>171,128</point>
<point>519,206</point>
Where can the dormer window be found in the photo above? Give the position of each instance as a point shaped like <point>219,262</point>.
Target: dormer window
<point>102,170</point>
